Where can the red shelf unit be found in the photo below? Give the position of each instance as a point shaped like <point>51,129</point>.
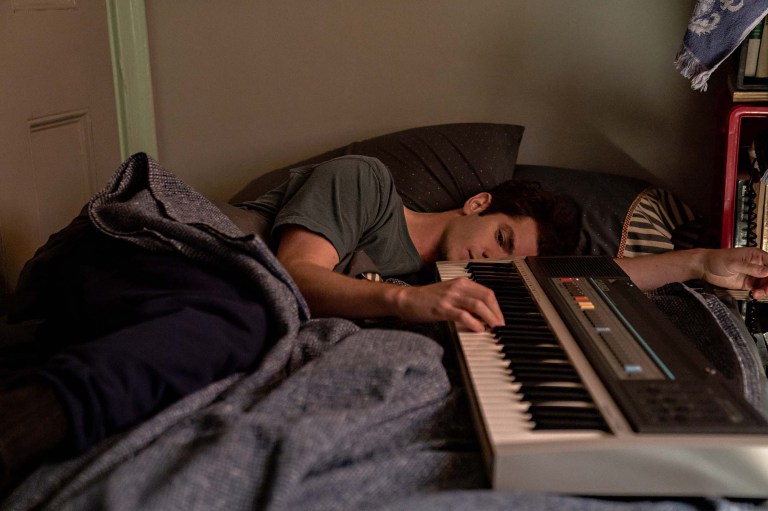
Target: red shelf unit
<point>737,115</point>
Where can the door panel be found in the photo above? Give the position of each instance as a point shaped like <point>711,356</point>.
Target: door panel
<point>58,127</point>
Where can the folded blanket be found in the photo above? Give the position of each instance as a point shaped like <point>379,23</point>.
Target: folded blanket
<point>715,30</point>
<point>147,205</point>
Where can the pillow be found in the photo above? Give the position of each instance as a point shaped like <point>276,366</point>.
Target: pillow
<point>621,216</point>
<point>435,168</point>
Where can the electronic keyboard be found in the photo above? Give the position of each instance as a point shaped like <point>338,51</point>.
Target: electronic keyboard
<point>589,389</point>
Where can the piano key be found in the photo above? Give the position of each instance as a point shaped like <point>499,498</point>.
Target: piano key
<point>520,368</point>
<point>563,425</point>
<point>541,351</point>
<point>579,411</point>
<point>526,337</point>
<point>540,375</point>
<point>540,393</point>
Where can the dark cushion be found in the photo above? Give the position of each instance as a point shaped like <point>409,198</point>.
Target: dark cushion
<point>435,168</point>
<point>605,200</point>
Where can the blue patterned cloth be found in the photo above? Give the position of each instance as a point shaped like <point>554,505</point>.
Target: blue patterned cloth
<point>715,30</point>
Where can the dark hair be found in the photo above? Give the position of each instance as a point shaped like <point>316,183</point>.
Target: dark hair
<point>558,217</point>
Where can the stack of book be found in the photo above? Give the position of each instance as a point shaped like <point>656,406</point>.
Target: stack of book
<point>751,80</point>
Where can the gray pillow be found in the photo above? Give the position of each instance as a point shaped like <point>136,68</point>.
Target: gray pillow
<point>621,216</point>
<point>435,168</point>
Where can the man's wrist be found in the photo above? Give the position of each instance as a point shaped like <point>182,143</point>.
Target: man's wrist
<point>697,263</point>
<point>395,298</point>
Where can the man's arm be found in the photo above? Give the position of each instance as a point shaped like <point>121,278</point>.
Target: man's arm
<point>737,268</point>
<point>310,259</point>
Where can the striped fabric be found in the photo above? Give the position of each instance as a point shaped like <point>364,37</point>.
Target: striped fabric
<point>658,222</point>
<point>370,275</point>
<point>376,277</point>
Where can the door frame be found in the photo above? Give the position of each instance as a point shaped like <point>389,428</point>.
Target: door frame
<point>129,44</point>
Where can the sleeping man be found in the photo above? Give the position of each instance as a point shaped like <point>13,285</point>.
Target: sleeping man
<point>128,328</point>
<point>330,216</point>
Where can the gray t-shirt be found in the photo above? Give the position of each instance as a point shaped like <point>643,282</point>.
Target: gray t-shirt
<point>352,202</point>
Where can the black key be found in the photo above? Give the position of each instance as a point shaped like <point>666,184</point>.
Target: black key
<point>568,424</point>
<point>561,412</point>
<point>545,378</point>
<point>533,351</point>
<point>554,393</point>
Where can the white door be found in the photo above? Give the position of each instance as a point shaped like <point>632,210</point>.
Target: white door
<point>58,124</point>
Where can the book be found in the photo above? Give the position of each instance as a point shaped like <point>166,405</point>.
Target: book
<point>753,96</point>
<point>753,48</point>
<point>751,66</point>
<point>759,220</point>
<point>761,71</point>
<point>741,205</point>
<point>764,235</point>
<point>756,220</point>
<point>756,212</point>
<point>747,96</point>
<point>762,211</point>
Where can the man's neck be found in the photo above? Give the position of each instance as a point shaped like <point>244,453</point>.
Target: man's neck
<point>426,230</point>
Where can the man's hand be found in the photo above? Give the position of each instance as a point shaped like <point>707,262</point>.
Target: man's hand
<point>737,268</point>
<point>461,300</point>
<point>310,259</point>
<point>732,268</point>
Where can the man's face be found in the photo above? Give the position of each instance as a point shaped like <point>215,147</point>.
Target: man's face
<point>493,236</point>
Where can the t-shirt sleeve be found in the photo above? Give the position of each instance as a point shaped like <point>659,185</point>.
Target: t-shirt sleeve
<point>341,200</point>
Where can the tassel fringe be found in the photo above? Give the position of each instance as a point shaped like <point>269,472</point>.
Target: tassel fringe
<point>691,68</point>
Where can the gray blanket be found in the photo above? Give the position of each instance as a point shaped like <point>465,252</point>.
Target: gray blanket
<point>335,417</point>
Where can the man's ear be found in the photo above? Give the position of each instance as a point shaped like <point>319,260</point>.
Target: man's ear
<point>477,203</point>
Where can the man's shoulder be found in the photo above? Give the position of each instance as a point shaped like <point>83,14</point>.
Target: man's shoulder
<point>354,167</point>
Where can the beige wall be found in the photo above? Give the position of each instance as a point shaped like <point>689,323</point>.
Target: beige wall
<point>242,86</point>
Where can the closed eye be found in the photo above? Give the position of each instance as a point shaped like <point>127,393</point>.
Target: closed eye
<point>506,240</point>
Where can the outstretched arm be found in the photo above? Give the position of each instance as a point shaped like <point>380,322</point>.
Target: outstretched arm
<point>310,259</point>
<point>735,268</point>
